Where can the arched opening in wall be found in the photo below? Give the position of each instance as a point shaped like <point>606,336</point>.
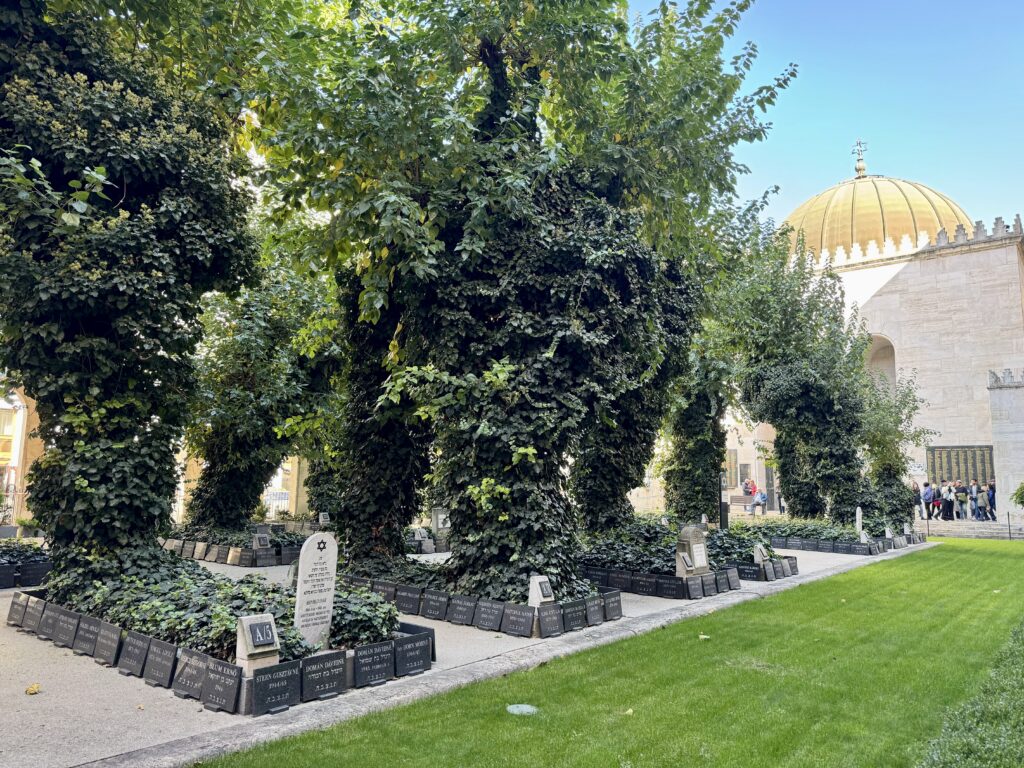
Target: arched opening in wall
<point>882,359</point>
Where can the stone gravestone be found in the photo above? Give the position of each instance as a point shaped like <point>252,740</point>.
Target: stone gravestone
<point>760,553</point>
<point>221,685</point>
<point>540,591</point>
<point>133,654</point>
<point>160,662</point>
<point>691,552</point>
<point>190,674</point>
<point>574,615</point>
<point>67,627</point>
<point>48,623</point>
<point>33,614</point>
<point>256,643</point>
<point>276,688</point>
<point>412,654</point>
<point>323,675</point>
<point>435,604</point>
<point>488,614</point>
<point>107,649</point>
<point>85,638</point>
<point>16,613</point>
<point>550,620</point>
<point>518,620</point>
<point>407,598</point>
<point>461,609</point>
<point>314,593</point>
<point>374,663</point>
<point>595,610</point>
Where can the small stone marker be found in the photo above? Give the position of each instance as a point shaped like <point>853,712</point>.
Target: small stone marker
<point>323,675</point>
<point>488,614</point>
<point>385,589</point>
<point>234,555</point>
<point>48,624</point>
<point>722,581</point>
<point>574,615</point>
<point>324,518</point>
<point>220,688</point>
<point>595,610</point>
<point>276,688</point>
<point>760,553</point>
<point>435,604</point>
<point>888,532</point>
<point>518,620</point>
<point>407,598</point>
<point>67,627</point>
<point>133,654</point>
<point>749,572</point>
<point>212,552</point>
<point>16,613</point>
<point>461,609</point>
<point>314,594</point>
<point>374,663</point>
<point>691,552</point>
<point>33,614</point>
<point>107,649</point>
<point>200,550</point>
<point>733,577</point>
<point>160,663</point>
<point>694,587</point>
<point>620,580</point>
<point>786,570</point>
<point>550,620</point>
<point>612,599</point>
<point>540,591</point>
<point>859,521</point>
<point>223,553</point>
<point>645,584</point>
<point>672,587</point>
<point>256,643</point>
<point>188,549</point>
<point>190,674</point>
<point>412,654</point>
<point>906,529</point>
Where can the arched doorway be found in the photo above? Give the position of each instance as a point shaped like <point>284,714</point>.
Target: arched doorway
<point>881,358</point>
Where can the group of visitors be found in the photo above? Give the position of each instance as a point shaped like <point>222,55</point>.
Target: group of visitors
<point>952,500</point>
<point>760,497</point>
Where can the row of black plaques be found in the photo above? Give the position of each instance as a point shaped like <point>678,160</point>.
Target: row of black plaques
<point>769,570</point>
<point>660,585</point>
<point>222,553</point>
<point>215,683</point>
<point>552,619</point>
<point>873,547</point>
<point>24,574</point>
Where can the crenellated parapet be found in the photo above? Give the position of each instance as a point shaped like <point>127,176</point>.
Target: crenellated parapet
<point>1008,379</point>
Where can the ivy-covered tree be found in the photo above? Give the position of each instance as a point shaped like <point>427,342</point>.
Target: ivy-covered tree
<point>117,213</point>
<point>254,377</point>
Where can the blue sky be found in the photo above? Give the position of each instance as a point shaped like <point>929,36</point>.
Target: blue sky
<point>933,87</point>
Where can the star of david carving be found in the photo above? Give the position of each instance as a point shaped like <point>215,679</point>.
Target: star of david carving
<point>321,545</point>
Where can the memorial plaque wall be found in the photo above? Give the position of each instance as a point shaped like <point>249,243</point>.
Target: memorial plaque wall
<point>276,688</point>
<point>374,663</point>
<point>488,614</point>
<point>221,685</point>
<point>323,676</point>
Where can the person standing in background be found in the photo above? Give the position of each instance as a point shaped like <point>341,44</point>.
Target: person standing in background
<point>927,497</point>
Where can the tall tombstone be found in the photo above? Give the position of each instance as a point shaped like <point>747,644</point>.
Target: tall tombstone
<point>691,552</point>
<point>314,590</point>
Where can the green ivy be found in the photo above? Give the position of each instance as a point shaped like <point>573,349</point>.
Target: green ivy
<point>14,552</point>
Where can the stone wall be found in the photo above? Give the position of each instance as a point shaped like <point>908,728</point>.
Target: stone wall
<point>1006,395</point>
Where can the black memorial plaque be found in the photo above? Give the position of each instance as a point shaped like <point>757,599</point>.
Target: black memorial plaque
<point>694,587</point>
<point>188,549</point>
<point>33,614</point>
<point>133,654</point>
<point>48,624</point>
<point>220,688</point>
<point>189,674</point>
<point>386,589</point>
<point>276,688</point>
<point>793,569</point>
<point>16,613</point>
<point>289,554</point>
<point>7,573</point>
<point>323,676</point>
<point>672,587</point>
<point>709,584</point>
<point>261,633</point>
<point>595,610</point>
<point>779,542</point>
<point>645,584</point>
<point>810,545</point>
<point>574,615</point>
<point>374,663</point>
<point>599,575</point>
<point>199,553</point>
<point>360,582</point>
<point>860,549</point>
<point>435,604</point>
<point>212,551</point>
<point>488,614</point>
<point>843,548</point>
<point>826,545</point>
<point>33,574</point>
<point>612,599</point>
<point>67,627</point>
<point>518,620</point>
<point>721,581</point>
<point>234,555</point>
<point>172,545</point>
<point>874,548</point>
<point>749,571</point>
<point>223,553</point>
<point>407,598</point>
<point>247,558</point>
<point>107,649</point>
<point>621,580</point>
<point>266,558</point>
<point>779,571</point>
<point>733,577</point>
<point>786,570</point>
<point>461,609</point>
<point>160,663</point>
<point>420,629</point>
<point>768,570</point>
<point>794,542</point>
<point>412,654</point>
<point>549,618</point>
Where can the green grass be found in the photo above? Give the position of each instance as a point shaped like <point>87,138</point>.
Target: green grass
<point>855,670</point>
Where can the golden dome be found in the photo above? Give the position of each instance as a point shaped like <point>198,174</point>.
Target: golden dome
<point>899,216</point>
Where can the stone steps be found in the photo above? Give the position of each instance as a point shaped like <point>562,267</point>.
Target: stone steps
<point>968,529</point>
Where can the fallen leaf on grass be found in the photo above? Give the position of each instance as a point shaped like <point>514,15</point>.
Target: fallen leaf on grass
<point>33,689</point>
<point>996,591</point>
<point>628,712</point>
<point>703,637</point>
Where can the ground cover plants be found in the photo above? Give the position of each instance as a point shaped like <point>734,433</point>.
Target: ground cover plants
<point>802,528</point>
<point>235,537</point>
<point>854,671</point>
<point>14,552</point>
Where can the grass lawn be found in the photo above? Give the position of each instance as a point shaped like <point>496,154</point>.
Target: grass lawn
<point>855,670</point>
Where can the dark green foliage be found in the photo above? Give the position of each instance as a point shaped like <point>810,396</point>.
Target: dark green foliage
<point>887,500</point>
<point>988,730</point>
<point>804,529</point>
<point>179,601</point>
<point>13,551</point>
<point>735,544</point>
<point>400,570</point>
<point>117,212</point>
<point>234,537</point>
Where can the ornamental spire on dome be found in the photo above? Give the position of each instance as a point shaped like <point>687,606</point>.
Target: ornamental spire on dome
<point>860,168</point>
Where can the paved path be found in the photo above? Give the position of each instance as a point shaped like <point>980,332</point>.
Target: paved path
<point>89,715</point>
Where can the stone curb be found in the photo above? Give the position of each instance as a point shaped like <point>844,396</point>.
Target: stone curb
<point>319,715</point>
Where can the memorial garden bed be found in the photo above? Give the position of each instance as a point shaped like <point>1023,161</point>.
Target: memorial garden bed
<point>232,547</point>
<point>175,624</point>
<point>22,564</point>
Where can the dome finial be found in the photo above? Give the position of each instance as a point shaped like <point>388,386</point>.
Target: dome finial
<point>860,168</point>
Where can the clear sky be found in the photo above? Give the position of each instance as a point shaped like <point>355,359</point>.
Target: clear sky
<point>933,87</point>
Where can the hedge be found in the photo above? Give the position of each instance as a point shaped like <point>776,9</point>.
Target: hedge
<point>15,552</point>
<point>232,537</point>
<point>804,529</point>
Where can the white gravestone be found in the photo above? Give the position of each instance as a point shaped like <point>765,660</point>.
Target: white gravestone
<point>314,590</point>
<point>691,552</point>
